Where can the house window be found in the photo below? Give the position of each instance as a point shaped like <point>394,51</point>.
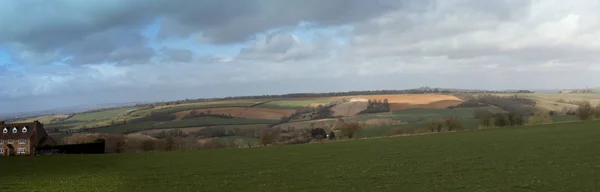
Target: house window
<point>10,141</point>
<point>5,130</point>
<point>1,141</point>
<point>22,141</point>
<point>24,130</point>
<point>1,151</point>
<point>14,130</point>
<point>22,150</point>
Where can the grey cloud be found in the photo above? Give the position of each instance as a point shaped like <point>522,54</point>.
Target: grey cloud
<point>72,27</point>
<point>180,55</point>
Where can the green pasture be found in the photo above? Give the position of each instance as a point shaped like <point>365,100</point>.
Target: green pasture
<point>556,157</point>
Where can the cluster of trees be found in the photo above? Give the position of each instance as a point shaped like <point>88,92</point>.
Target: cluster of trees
<point>487,118</point>
<point>194,114</point>
<point>322,112</point>
<point>585,111</point>
<point>451,124</point>
<point>377,106</point>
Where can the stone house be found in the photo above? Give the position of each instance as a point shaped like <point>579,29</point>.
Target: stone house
<point>23,138</point>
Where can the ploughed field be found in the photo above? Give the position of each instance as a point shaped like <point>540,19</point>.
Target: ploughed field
<point>556,157</point>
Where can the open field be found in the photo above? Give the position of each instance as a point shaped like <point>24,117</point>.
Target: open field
<point>432,105</point>
<point>299,103</point>
<point>411,98</point>
<point>45,119</point>
<point>101,115</point>
<point>550,101</point>
<point>416,114</point>
<point>194,129</point>
<point>194,122</point>
<point>349,108</point>
<point>241,112</point>
<point>557,157</point>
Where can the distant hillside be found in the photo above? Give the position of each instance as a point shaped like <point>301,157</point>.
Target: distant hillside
<point>63,110</point>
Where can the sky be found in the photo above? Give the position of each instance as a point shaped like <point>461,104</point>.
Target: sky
<point>71,52</point>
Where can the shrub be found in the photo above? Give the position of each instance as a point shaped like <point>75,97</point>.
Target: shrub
<point>435,125</point>
<point>349,129</point>
<point>120,145</point>
<point>267,137</point>
<point>148,145</point>
<point>540,117</point>
<point>318,133</point>
<point>487,122</point>
<point>501,120</point>
<point>331,135</point>
<point>597,113</point>
<point>584,111</point>
<point>169,143</point>
<point>453,124</point>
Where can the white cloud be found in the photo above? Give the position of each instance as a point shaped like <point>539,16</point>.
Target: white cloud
<point>492,44</point>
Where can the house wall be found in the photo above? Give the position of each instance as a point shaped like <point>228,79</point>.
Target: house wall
<point>16,145</point>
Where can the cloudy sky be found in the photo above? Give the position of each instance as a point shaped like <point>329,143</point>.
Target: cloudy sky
<point>72,52</point>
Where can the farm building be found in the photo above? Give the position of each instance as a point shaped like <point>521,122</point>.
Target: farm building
<point>23,138</point>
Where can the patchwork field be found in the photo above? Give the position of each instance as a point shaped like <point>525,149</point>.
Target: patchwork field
<point>424,114</point>
<point>351,108</point>
<point>46,119</point>
<point>298,103</point>
<point>194,129</point>
<point>558,157</point>
<point>194,122</point>
<point>241,112</point>
<point>101,115</point>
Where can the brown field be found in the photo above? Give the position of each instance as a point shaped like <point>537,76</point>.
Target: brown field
<point>349,108</point>
<point>413,99</point>
<point>434,105</point>
<point>241,112</point>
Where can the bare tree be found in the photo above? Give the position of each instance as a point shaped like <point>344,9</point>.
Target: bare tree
<point>585,111</point>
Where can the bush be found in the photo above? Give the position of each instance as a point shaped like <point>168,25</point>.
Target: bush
<point>148,145</point>
<point>453,124</point>
<point>597,113</point>
<point>585,111</point>
<point>331,135</point>
<point>500,120</point>
<point>487,122</point>
<point>318,133</point>
<point>267,137</point>
<point>434,125</point>
<point>540,117</point>
<point>349,129</point>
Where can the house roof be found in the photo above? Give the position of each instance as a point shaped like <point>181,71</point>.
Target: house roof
<point>31,129</point>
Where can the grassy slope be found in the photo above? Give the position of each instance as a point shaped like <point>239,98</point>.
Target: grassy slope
<point>412,115</point>
<point>101,115</point>
<point>559,157</point>
<point>417,126</point>
<point>194,122</point>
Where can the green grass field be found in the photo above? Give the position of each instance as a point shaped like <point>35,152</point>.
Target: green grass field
<point>557,157</point>
<point>231,103</point>
<point>194,122</point>
<point>101,115</point>
<point>413,115</point>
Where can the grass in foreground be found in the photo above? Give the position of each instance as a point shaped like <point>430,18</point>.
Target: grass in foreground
<point>558,157</point>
